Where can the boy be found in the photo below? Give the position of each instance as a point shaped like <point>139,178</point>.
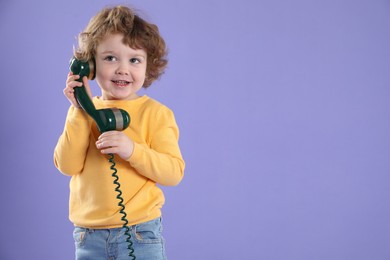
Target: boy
<point>129,54</point>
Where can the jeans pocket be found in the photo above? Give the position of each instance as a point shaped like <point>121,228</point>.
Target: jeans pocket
<point>79,236</point>
<point>149,232</point>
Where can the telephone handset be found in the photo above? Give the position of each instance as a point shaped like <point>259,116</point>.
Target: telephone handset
<point>106,119</point>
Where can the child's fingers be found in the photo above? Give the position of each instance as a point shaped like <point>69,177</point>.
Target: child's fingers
<point>105,142</point>
<point>109,139</point>
<point>113,150</point>
<point>72,79</point>
<point>69,92</point>
<point>108,145</point>
<point>108,134</point>
<point>69,89</point>
<point>73,84</point>
<point>115,142</point>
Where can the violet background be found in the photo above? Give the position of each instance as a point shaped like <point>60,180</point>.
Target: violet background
<point>284,114</point>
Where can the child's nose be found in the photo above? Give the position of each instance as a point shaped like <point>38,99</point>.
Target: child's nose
<point>123,69</point>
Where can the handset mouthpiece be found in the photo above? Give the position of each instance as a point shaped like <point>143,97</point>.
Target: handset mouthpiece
<point>113,119</point>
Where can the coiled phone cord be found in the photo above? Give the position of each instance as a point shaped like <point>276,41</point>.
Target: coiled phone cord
<point>122,206</point>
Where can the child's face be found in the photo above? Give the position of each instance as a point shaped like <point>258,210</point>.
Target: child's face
<point>120,70</point>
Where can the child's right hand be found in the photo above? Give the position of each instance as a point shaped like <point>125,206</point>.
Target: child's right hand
<point>71,83</point>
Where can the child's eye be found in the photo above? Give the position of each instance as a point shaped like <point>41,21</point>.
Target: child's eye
<point>110,58</point>
<point>134,61</point>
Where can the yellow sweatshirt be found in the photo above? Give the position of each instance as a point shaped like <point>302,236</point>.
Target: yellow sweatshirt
<point>156,159</point>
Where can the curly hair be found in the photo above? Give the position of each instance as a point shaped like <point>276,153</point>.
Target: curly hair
<point>137,33</point>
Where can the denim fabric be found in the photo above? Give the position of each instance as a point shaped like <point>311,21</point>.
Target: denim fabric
<point>110,244</point>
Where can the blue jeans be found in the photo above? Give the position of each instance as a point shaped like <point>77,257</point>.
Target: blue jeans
<point>110,244</point>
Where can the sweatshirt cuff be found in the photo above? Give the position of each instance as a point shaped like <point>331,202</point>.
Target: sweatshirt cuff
<point>136,156</point>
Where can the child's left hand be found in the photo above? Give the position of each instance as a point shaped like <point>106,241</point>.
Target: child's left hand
<point>115,142</point>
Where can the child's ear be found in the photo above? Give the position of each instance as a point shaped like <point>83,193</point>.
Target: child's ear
<point>92,67</point>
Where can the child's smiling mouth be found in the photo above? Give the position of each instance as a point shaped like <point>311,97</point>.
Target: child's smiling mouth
<point>121,83</point>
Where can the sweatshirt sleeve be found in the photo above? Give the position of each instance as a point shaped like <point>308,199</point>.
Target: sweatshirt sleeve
<point>72,146</point>
<point>161,161</point>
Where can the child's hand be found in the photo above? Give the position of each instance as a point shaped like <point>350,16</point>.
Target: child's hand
<point>115,142</point>
<point>71,83</point>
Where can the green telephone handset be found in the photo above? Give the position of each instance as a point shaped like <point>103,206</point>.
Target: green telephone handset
<point>106,119</point>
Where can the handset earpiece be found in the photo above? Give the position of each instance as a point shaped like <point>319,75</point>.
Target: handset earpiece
<point>107,119</point>
<point>83,68</point>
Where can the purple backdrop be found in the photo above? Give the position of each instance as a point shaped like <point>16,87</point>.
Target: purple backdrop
<point>284,111</point>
